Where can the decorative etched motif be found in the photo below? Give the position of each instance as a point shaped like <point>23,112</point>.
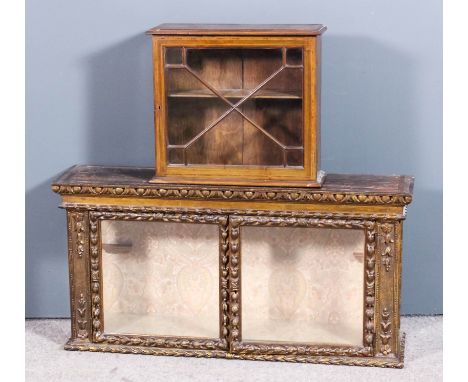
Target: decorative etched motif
<point>81,310</point>
<point>388,240</point>
<point>289,286</point>
<point>386,332</point>
<point>225,193</point>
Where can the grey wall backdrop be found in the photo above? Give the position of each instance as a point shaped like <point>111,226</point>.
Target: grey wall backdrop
<point>89,100</point>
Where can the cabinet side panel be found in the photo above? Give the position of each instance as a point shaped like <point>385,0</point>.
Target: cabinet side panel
<point>388,272</point>
<point>397,282</point>
<point>160,139</point>
<point>78,261</point>
<point>310,107</point>
<point>318,101</point>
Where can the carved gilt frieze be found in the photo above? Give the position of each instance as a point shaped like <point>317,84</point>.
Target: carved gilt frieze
<point>227,193</point>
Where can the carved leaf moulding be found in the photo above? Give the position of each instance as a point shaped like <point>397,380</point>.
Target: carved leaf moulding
<point>165,342</point>
<point>210,211</point>
<point>312,350</point>
<point>234,194</point>
<point>95,277</point>
<point>389,362</point>
<point>369,302</point>
<point>224,281</point>
<point>234,282</point>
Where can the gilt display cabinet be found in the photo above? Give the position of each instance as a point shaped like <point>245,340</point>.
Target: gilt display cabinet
<point>273,273</point>
<point>237,104</point>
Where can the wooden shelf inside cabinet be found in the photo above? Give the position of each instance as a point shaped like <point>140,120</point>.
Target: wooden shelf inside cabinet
<point>119,248</point>
<point>237,94</point>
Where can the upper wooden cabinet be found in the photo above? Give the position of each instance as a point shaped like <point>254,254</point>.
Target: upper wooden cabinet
<point>237,104</point>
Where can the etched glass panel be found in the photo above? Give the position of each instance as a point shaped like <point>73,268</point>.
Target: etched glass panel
<point>303,285</point>
<point>160,278</point>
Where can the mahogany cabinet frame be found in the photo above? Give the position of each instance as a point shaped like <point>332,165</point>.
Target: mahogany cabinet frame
<point>310,175</point>
<point>382,344</point>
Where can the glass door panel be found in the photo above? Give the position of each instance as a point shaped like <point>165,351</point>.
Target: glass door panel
<point>303,285</point>
<point>160,278</point>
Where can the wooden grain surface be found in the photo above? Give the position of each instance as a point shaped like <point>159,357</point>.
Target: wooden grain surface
<point>238,29</point>
<point>138,176</point>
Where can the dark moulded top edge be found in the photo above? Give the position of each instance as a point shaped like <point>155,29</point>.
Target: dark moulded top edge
<point>238,30</point>
<point>84,176</point>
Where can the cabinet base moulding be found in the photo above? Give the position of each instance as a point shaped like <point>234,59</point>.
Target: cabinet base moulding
<point>389,361</point>
<point>242,182</point>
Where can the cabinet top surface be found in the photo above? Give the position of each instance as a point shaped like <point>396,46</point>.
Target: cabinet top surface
<point>134,181</point>
<point>238,29</point>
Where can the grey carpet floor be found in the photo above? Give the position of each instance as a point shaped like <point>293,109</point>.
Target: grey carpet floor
<point>47,361</point>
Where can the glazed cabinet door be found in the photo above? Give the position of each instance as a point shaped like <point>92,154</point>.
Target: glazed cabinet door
<point>302,286</point>
<point>157,279</point>
<point>236,107</point>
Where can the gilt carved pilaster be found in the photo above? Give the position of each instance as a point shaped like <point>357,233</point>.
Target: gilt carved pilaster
<point>388,276</point>
<point>78,257</point>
